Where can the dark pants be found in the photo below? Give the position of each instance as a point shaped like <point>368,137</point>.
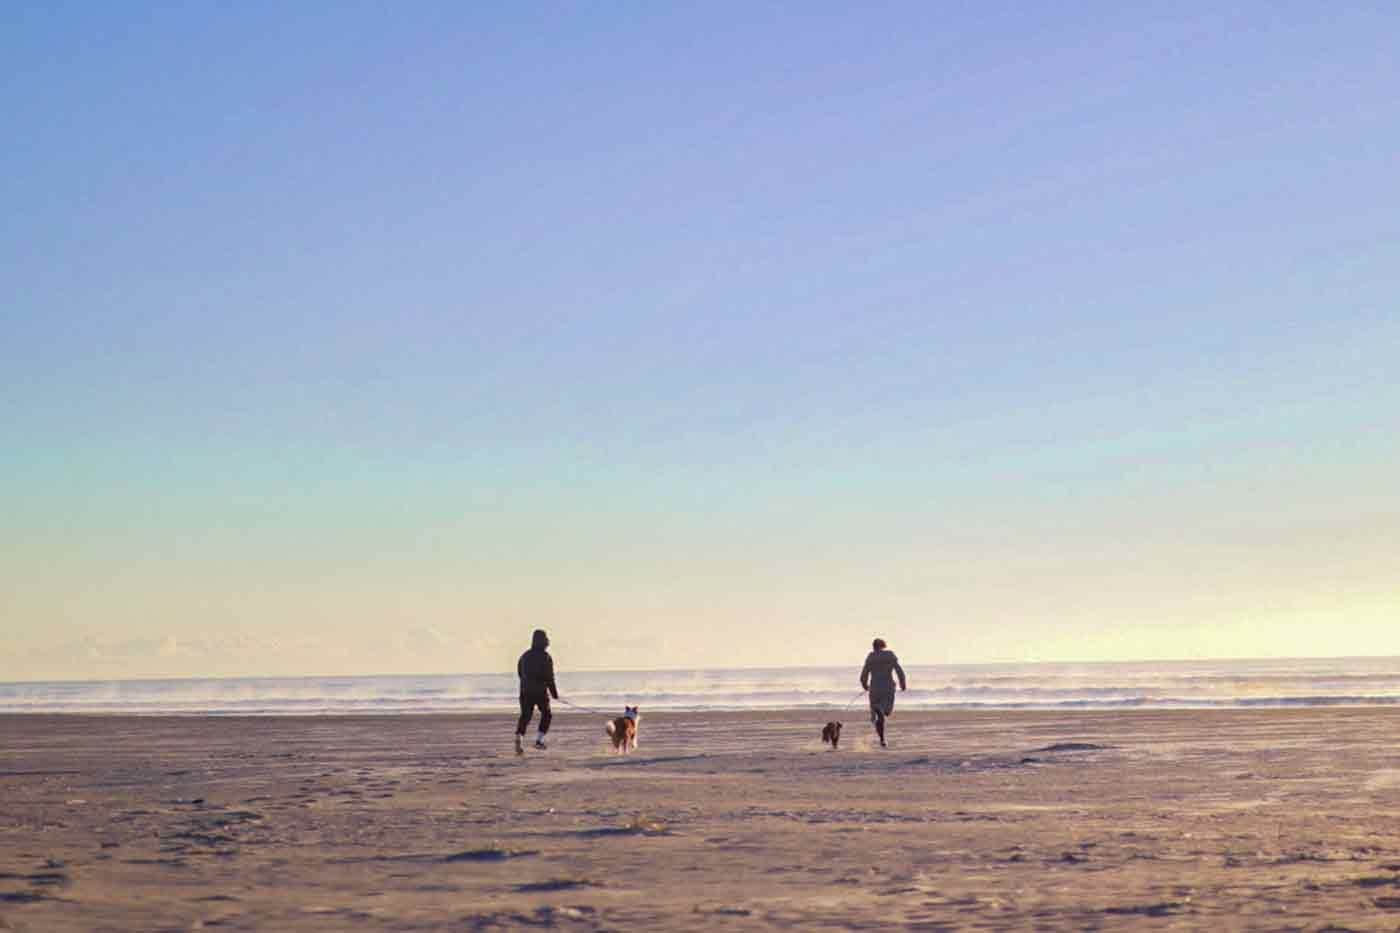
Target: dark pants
<point>881,705</point>
<point>528,702</point>
<point>878,718</point>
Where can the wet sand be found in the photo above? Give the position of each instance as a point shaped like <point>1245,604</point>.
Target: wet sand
<point>1256,819</point>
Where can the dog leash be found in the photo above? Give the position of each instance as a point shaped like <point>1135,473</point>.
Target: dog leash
<point>853,700</point>
<point>582,709</point>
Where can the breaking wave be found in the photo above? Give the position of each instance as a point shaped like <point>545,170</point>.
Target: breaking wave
<point>1107,686</point>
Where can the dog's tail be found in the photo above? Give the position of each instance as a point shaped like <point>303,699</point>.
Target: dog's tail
<point>610,727</point>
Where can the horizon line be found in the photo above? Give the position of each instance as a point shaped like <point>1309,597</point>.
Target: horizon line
<point>671,669</point>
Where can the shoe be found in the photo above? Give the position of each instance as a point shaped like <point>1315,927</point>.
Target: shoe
<point>539,743</point>
<point>519,745</point>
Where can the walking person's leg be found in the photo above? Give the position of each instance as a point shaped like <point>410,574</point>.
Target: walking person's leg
<point>880,707</point>
<point>527,711</point>
<point>546,717</point>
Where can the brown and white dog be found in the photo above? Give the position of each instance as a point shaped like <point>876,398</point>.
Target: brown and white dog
<point>623,729</point>
<point>831,734</point>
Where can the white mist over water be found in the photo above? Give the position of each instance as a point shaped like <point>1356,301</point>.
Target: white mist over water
<point>1184,684</point>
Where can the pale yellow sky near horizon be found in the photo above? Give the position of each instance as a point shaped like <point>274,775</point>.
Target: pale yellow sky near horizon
<point>1212,570</point>
<point>406,644</point>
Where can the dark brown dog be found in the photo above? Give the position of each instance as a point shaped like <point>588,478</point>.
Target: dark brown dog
<point>831,734</point>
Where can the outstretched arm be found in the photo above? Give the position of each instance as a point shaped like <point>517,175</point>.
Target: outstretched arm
<point>553,690</point>
<point>900,671</point>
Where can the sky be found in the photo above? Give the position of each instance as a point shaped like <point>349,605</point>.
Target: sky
<point>365,338</point>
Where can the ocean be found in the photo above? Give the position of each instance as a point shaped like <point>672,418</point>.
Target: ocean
<point>1139,685</point>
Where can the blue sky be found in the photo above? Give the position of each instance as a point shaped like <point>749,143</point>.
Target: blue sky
<point>733,333</point>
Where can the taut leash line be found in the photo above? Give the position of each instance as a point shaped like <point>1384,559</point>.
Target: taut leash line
<point>582,709</point>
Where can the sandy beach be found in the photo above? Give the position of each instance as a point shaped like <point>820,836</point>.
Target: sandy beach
<point>1261,819</point>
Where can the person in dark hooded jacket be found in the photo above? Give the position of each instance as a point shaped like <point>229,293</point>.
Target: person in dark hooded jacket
<point>536,671</point>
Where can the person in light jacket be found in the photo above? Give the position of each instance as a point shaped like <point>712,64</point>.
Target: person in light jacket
<point>877,677</point>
